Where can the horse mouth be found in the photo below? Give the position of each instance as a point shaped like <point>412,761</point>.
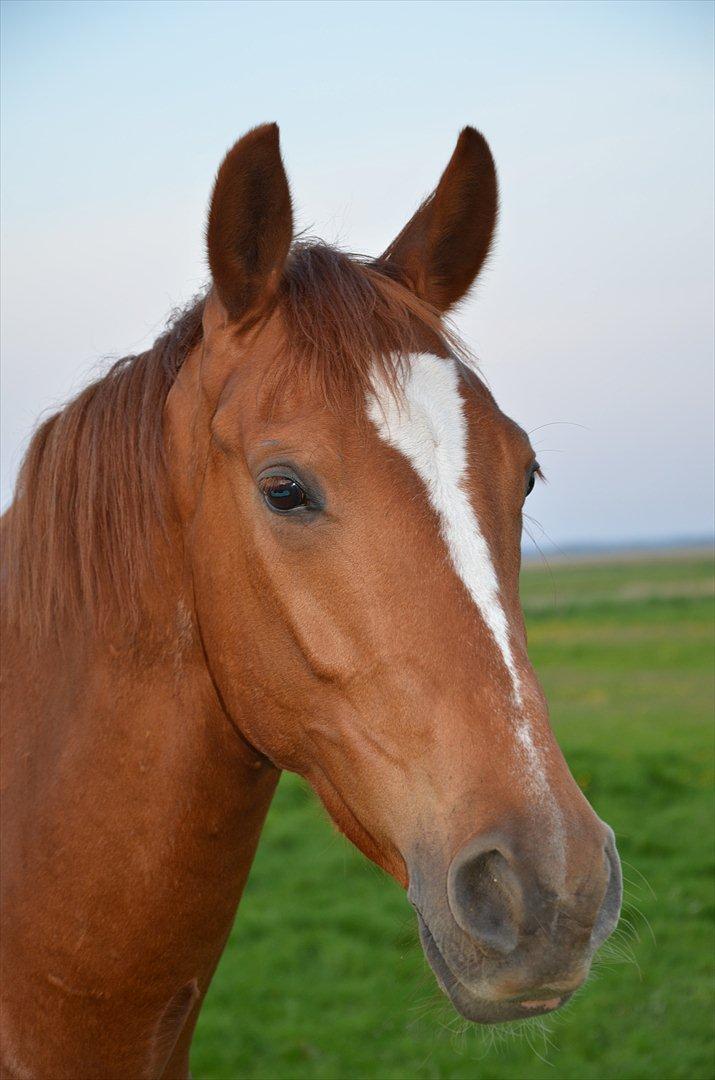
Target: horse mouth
<point>479,1010</point>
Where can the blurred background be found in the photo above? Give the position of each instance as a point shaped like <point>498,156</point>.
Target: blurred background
<point>593,325</point>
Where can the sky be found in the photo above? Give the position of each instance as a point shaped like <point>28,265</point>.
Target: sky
<point>593,322</point>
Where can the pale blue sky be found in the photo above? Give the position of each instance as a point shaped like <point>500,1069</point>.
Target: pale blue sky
<point>597,308</point>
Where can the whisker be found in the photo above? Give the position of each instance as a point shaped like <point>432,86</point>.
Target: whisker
<point>643,878</point>
<point>556,423</point>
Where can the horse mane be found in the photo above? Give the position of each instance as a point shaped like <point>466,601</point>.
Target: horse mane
<point>81,535</point>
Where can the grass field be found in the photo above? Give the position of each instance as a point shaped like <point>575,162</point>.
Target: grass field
<point>324,977</point>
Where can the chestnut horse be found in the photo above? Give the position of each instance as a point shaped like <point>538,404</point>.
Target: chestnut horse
<point>285,537</point>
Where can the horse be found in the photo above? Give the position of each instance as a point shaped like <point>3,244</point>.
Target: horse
<point>287,536</point>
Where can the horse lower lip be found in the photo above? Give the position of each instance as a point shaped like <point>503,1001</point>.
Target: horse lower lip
<point>479,1010</point>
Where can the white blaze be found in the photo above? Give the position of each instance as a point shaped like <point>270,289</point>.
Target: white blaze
<point>429,427</point>
<point>427,423</point>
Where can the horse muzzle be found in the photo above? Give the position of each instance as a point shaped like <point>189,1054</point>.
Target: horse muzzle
<point>504,941</point>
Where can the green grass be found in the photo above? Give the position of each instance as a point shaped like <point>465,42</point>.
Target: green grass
<point>323,975</point>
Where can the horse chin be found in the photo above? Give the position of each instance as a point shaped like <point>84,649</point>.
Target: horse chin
<point>469,1005</point>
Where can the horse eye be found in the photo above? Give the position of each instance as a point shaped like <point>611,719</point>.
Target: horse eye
<point>282,493</point>
<point>532,479</point>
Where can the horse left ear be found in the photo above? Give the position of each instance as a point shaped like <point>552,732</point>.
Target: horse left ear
<point>250,225</point>
<point>442,248</point>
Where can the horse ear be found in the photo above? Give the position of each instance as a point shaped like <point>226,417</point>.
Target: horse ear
<point>250,224</point>
<point>442,248</point>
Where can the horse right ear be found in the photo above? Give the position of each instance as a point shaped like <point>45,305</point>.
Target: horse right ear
<point>250,224</point>
<point>442,248</point>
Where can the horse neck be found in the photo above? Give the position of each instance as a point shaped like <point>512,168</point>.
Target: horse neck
<point>133,809</point>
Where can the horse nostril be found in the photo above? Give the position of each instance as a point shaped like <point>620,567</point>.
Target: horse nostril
<point>484,896</point>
